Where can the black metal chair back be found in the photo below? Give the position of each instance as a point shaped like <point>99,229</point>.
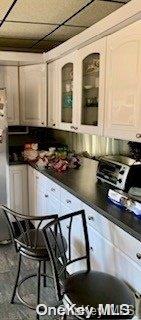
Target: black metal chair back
<point>21,227</point>
<point>60,269</point>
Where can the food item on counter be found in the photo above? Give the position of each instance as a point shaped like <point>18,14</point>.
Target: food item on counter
<point>31,146</point>
<point>59,160</point>
<point>52,150</point>
<point>30,152</point>
<point>40,163</point>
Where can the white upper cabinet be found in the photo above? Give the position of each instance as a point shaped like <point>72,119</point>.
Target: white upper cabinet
<point>123,84</point>
<point>33,89</point>
<point>52,105</point>
<point>11,82</point>
<point>90,87</point>
<point>66,92</point>
<point>76,90</point>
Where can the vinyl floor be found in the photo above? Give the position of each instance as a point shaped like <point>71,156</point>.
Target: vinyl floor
<point>8,269</point>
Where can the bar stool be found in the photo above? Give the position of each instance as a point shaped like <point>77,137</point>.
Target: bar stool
<point>109,297</point>
<point>29,242</point>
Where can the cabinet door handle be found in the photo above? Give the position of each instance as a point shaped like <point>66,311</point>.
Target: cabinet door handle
<point>68,201</point>
<point>52,189</point>
<point>46,195</point>
<point>42,122</point>
<point>138,135</point>
<point>68,227</point>
<point>138,255</point>
<point>91,249</point>
<point>91,218</point>
<point>54,124</point>
<point>72,127</point>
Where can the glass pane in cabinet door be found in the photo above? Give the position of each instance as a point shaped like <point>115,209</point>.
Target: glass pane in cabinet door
<point>90,89</point>
<point>67,93</point>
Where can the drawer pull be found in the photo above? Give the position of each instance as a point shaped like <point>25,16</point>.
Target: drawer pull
<point>91,249</point>
<point>68,201</point>
<point>52,189</point>
<point>91,218</point>
<point>46,195</point>
<point>138,255</point>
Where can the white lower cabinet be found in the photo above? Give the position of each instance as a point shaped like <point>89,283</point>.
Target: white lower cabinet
<point>112,250</point>
<point>19,189</point>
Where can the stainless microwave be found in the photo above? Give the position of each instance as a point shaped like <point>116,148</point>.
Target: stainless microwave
<point>119,171</point>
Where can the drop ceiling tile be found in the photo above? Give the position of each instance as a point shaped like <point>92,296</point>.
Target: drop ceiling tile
<point>51,11</point>
<point>4,6</point>
<point>45,44</point>
<point>23,30</point>
<point>16,43</point>
<point>96,11</point>
<point>65,33</point>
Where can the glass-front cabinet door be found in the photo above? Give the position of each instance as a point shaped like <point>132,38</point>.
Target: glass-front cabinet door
<point>66,92</point>
<point>91,76</point>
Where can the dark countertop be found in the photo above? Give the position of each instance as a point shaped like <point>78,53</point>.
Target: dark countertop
<point>83,184</point>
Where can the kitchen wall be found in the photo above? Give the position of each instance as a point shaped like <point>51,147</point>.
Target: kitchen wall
<point>91,145</point>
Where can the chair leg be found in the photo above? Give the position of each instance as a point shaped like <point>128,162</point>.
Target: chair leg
<point>39,285</point>
<point>44,271</point>
<point>17,278</point>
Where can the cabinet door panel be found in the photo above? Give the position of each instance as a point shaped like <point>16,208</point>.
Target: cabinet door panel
<point>123,83</point>
<point>31,188</point>
<point>66,92</point>
<point>126,243</point>
<point>102,252</point>
<point>33,95</point>
<point>100,223</point>
<point>52,103</point>
<point>18,189</point>
<point>90,87</point>
<point>128,270</point>
<point>12,89</point>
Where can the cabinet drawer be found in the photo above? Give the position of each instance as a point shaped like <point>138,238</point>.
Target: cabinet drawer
<point>70,201</point>
<point>98,222</point>
<point>127,244</point>
<point>127,270</point>
<point>53,188</point>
